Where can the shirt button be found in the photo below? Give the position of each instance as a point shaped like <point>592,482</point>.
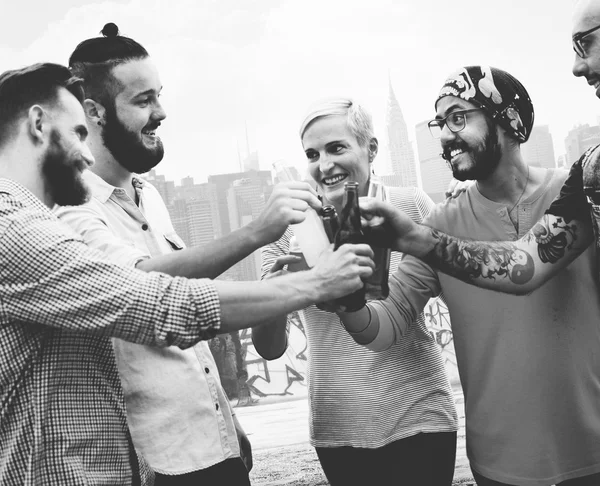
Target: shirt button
<point>207,370</point>
<point>145,227</point>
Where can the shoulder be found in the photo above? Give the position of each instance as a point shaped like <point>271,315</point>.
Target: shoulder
<point>406,196</point>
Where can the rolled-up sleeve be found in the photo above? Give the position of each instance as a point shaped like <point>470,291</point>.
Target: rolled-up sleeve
<point>62,283</point>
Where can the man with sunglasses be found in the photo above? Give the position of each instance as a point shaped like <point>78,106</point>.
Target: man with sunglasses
<point>527,365</point>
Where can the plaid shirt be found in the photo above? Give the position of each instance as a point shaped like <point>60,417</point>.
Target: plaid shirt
<point>62,413</point>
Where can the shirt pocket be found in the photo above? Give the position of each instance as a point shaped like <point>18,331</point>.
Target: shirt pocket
<point>174,241</point>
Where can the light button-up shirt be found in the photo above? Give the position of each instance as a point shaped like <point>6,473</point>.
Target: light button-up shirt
<point>178,413</point>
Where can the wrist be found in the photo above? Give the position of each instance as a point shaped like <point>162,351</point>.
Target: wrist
<point>419,242</point>
<point>254,233</point>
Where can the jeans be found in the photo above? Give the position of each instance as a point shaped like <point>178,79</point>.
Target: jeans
<point>593,480</point>
<point>423,459</point>
<point>231,472</point>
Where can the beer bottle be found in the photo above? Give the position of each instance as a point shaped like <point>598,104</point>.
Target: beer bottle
<point>350,232</point>
<point>377,287</point>
<point>330,221</point>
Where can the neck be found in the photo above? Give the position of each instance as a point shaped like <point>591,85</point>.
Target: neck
<point>24,166</point>
<point>508,182</point>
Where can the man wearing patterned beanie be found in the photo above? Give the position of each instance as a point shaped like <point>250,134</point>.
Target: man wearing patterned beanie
<point>527,365</point>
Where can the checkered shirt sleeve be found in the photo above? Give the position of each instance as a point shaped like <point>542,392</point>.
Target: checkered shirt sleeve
<point>62,413</point>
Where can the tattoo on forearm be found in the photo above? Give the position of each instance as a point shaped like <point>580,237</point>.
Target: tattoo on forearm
<point>553,241</point>
<point>469,260</point>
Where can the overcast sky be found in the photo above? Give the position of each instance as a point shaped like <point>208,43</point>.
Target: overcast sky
<point>224,63</point>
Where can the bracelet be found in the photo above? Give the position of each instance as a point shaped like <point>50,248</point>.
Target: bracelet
<point>358,334</point>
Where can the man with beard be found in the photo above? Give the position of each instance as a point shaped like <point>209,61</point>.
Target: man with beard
<point>63,418</point>
<point>527,365</point>
<point>179,415</point>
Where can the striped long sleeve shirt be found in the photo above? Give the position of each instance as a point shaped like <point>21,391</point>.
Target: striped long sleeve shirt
<point>364,399</point>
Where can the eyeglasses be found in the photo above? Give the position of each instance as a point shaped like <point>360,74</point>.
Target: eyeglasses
<point>580,47</point>
<point>455,121</point>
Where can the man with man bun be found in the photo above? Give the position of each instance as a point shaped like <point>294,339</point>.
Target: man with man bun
<point>178,413</point>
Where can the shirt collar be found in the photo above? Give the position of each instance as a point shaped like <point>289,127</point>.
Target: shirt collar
<point>22,194</point>
<point>101,189</point>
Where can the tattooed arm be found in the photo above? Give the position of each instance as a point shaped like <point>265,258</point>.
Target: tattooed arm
<point>513,267</point>
<point>516,267</point>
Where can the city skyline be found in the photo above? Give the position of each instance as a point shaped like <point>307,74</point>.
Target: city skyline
<point>231,64</point>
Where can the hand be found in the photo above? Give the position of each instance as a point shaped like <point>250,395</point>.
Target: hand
<point>341,272</point>
<point>245,446</point>
<point>456,188</point>
<point>385,226</point>
<point>277,268</point>
<point>287,205</point>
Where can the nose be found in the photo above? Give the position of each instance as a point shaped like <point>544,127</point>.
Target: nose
<point>579,66</point>
<point>325,164</point>
<point>159,112</point>
<point>447,135</point>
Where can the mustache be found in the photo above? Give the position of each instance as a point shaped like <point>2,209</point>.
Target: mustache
<point>447,149</point>
<point>152,126</point>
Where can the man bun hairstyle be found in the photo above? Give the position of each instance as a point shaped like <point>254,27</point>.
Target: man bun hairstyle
<point>37,84</point>
<point>94,59</point>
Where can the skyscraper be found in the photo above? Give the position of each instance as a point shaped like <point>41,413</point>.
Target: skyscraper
<point>402,157</point>
<point>538,151</point>
<point>435,173</point>
<point>246,199</point>
<point>579,140</point>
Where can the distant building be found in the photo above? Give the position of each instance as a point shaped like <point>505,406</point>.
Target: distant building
<point>165,188</point>
<point>402,157</point>
<point>579,140</point>
<point>223,182</point>
<point>391,180</point>
<point>538,151</point>
<point>204,212</point>
<point>561,162</point>
<point>435,173</point>
<point>246,198</point>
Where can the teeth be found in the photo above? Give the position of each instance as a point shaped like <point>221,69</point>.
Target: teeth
<point>334,179</point>
<point>455,152</point>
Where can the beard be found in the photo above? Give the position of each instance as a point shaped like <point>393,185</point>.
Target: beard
<point>63,173</point>
<point>127,147</point>
<point>485,157</point>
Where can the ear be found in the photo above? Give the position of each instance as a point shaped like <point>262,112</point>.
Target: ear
<point>94,112</point>
<point>373,149</point>
<point>37,124</point>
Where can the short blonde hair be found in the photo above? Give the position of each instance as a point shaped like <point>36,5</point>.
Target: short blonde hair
<point>358,118</point>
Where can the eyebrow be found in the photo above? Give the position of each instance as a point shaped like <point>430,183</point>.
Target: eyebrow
<point>150,91</point>
<point>450,109</point>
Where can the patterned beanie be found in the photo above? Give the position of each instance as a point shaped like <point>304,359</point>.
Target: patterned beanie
<point>500,94</point>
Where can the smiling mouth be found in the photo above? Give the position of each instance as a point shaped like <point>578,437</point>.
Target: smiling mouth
<point>333,180</point>
<point>149,132</point>
<point>456,152</point>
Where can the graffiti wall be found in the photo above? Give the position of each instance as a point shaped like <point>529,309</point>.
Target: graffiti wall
<point>247,377</point>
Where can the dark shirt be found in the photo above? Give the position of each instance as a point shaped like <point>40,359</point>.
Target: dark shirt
<point>572,203</point>
<point>62,413</point>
